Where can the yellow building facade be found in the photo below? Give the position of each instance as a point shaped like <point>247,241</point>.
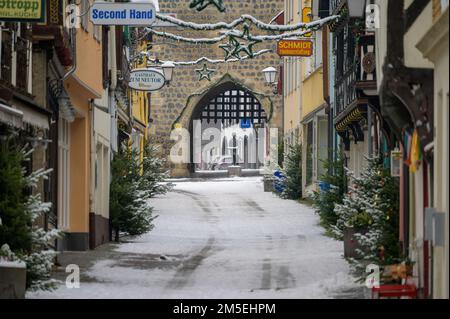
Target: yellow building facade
<point>140,108</point>
<point>292,84</point>
<point>83,84</point>
<point>305,120</point>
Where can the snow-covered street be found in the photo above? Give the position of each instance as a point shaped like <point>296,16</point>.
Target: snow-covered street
<point>222,238</point>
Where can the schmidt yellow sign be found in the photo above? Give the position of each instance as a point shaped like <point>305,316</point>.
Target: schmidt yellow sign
<point>295,48</point>
<point>22,10</point>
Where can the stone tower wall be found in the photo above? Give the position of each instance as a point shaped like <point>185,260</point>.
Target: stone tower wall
<point>175,103</point>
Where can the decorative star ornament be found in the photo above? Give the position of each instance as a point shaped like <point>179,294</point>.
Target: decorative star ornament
<point>247,48</point>
<point>234,47</point>
<point>199,5</point>
<point>230,48</point>
<point>204,73</point>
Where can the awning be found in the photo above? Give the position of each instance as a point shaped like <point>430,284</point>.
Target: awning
<point>11,116</point>
<point>34,118</point>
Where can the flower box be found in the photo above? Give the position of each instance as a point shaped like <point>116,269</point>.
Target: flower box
<point>12,280</point>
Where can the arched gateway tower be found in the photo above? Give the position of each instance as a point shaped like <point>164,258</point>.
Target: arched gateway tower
<point>188,98</point>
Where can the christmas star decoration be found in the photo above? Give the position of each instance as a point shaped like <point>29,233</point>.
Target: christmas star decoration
<point>247,48</point>
<point>246,34</point>
<point>235,47</point>
<point>199,5</point>
<point>230,48</point>
<point>204,73</point>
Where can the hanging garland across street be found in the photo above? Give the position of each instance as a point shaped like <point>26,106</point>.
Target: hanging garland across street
<point>240,43</point>
<point>218,39</point>
<point>246,18</point>
<point>209,60</point>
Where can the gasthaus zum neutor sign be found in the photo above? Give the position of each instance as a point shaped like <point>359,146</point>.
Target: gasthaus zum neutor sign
<point>118,13</point>
<point>146,79</point>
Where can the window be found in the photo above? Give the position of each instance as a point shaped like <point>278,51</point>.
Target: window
<point>318,50</point>
<point>308,66</point>
<point>22,56</point>
<point>291,10</point>
<point>102,180</point>
<point>309,151</point>
<point>289,5</point>
<point>285,76</point>
<point>63,174</point>
<point>295,73</point>
<point>6,53</point>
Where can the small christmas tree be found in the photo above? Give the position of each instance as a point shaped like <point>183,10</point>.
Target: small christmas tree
<point>153,174</point>
<point>326,199</point>
<point>21,239</point>
<point>292,173</point>
<point>133,184</point>
<point>15,221</point>
<point>371,208</point>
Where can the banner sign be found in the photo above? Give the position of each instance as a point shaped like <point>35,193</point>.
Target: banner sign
<point>22,10</point>
<point>120,13</point>
<point>295,48</point>
<point>306,18</point>
<point>146,79</point>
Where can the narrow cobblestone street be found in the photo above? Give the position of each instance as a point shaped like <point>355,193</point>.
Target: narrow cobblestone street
<point>222,238</point>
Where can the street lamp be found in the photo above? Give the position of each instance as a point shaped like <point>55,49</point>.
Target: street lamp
<point>270,75</point>
<point>356,8</point>
<point>167,68</point>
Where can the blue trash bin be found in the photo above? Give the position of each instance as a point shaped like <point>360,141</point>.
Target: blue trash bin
<point>278,182</point>
<point>324,186</point>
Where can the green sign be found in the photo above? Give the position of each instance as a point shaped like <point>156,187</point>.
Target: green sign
<point>22,10</point>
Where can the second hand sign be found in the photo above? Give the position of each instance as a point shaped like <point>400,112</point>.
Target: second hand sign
<point>116,13</point>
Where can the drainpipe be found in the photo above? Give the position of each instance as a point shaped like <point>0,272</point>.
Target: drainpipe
<point>112,89</point>
<point>369,130</point>
<point>93,175</point>
<point>112,41</point>
<point>73,40</point>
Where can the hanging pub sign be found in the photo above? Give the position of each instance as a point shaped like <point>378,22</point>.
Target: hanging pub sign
<point>121,13</point>
<point>146,79</point>
<point>306,18</point>
<point>396,162</point>
<point>295,48</point>
<point>22,10</point>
